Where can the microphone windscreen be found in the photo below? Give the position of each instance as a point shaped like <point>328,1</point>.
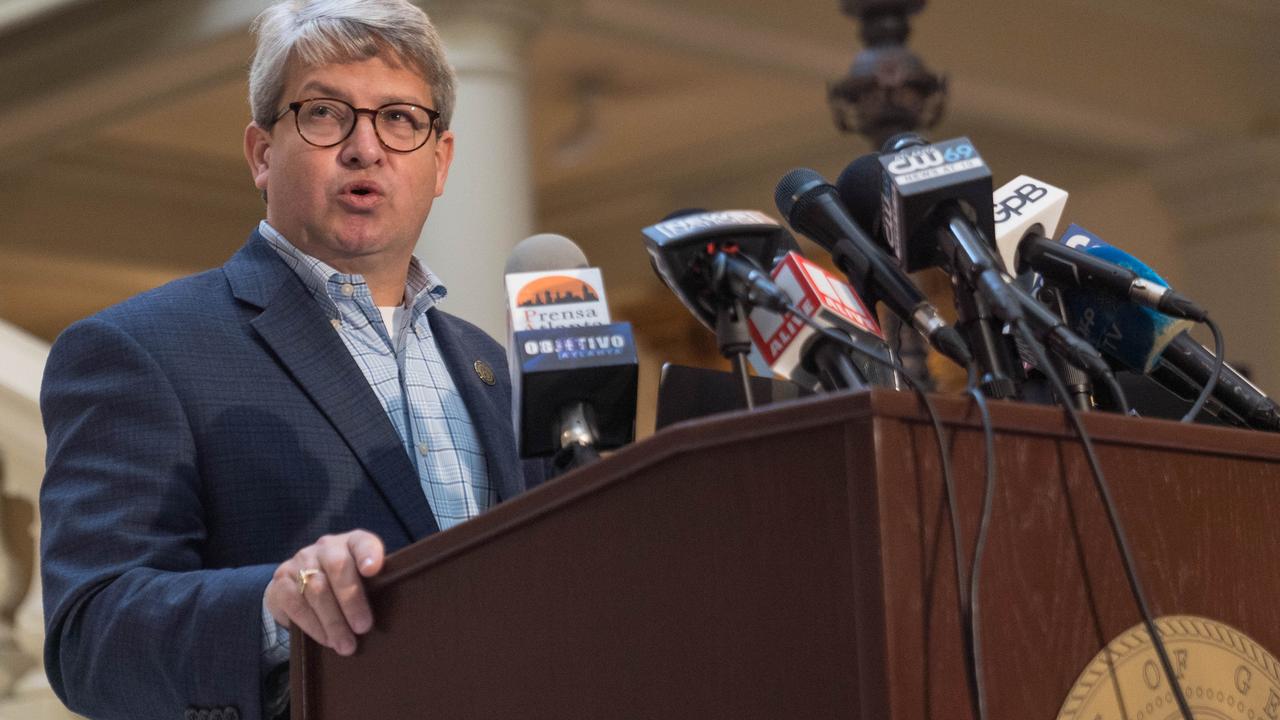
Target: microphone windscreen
<point>792,186</point>
<point>859,190</point>
<point>545,251</point>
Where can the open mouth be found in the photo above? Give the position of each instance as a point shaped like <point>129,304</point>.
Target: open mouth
<point>361,188</point>
<point>362,194</point>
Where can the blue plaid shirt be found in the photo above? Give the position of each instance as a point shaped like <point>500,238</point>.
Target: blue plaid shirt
<point>404,367</point>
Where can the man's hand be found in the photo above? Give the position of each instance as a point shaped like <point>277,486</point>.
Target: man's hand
<point>330,607</point>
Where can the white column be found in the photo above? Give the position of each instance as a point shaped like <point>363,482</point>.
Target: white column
<point>487,206</point>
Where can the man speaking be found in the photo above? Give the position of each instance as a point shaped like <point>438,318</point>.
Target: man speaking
<point>230,454</point>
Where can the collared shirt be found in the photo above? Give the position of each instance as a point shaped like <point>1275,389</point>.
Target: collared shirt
<point>404,368</point>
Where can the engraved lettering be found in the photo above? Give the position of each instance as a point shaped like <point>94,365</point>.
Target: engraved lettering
<point>1180,658</point>
<point>1244,678</point>
<point>1151,674</point>
<point>1273,705</point>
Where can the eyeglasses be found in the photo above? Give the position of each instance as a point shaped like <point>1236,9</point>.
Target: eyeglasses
<point>325,122</point>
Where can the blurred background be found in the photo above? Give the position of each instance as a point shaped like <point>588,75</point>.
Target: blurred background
<point>121,125</point>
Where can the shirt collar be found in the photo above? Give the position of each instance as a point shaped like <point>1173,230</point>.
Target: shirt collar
<point>422,286</point>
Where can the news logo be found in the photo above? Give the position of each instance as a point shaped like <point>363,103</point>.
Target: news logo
<point>577,346</point>
<point>555,299</point>
<point>928,162</point>
<point>1024,195</point>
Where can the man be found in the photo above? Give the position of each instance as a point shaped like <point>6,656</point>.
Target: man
<point>230,454</point>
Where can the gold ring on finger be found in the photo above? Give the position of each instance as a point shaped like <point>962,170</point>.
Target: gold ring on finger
<point>303,577</point>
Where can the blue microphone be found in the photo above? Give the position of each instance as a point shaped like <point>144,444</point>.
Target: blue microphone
<point>1132,335</point>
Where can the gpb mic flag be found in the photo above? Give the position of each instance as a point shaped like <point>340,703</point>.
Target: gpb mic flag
<point>1132,335</point>
<point>787,344</point>
<point>1024,206</point>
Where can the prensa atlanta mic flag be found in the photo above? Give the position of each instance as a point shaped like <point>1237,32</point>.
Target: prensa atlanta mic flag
<point>556,299</point>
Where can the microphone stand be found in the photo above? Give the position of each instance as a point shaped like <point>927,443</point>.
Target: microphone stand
<point>1076,380</point>
<point>990,351</point>
<point>735,342</point>
<point>836,370</point>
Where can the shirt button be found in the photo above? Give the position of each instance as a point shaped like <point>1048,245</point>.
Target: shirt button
<point>336,323</point>
<point>348,289</point>
<point>422,448</point>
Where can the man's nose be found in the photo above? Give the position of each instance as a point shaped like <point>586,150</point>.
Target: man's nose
<point>362,147</point>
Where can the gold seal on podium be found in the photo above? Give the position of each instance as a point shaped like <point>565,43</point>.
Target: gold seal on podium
<point>1224,676</point>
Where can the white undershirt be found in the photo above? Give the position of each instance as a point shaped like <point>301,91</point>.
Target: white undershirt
<point>391,317</point>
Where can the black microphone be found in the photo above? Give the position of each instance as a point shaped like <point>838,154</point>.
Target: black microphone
<point>712,261</point>
<point>747,283</point>
<point>1157,345</point>
<point>935,211</point>
<point>813,207</point>
<point>1066,266</point>
<point>688,252</point>
<point>1185,367</point>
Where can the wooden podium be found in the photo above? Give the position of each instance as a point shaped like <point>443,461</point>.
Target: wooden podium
<point>796,562</point>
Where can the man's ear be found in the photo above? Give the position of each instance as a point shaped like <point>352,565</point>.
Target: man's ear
<point>257,152</point>
<point>444,158</point>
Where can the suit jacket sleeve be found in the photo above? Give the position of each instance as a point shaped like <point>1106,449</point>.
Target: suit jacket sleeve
<point>137,626</point>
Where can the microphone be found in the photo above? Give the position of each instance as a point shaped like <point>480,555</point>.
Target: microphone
<point>1131,335</point>
<point>1027,212</point>
<point>1024,208</point>
<point>688,248</point>
<point>802,354</point>
<point>549,284</point>
<point>1156,344</point>
<point>574,373</point>
<point>813,207</point>
<point>935,211</point>
<point>712,262</point>
<point>1098,268</point>
<point>1185,367</point>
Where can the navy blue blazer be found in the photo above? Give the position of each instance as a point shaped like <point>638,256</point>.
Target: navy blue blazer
<point>199,435</point>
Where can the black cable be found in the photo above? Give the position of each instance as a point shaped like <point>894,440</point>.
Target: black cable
<point>962,590</point>
<point>1117,393</point>
<point>1219,349</point>
<point>1113,518</point>
<point>978,688</point>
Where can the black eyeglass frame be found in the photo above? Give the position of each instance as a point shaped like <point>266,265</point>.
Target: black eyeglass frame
<point>373,113</point>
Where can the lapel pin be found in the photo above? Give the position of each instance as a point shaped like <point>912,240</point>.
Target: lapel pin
<point>485,372</point>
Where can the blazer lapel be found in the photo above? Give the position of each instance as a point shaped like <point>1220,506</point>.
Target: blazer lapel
<point>490,405</point>
<point>296,329</point>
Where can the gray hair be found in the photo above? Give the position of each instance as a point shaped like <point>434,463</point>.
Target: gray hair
<point>317,32</point>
